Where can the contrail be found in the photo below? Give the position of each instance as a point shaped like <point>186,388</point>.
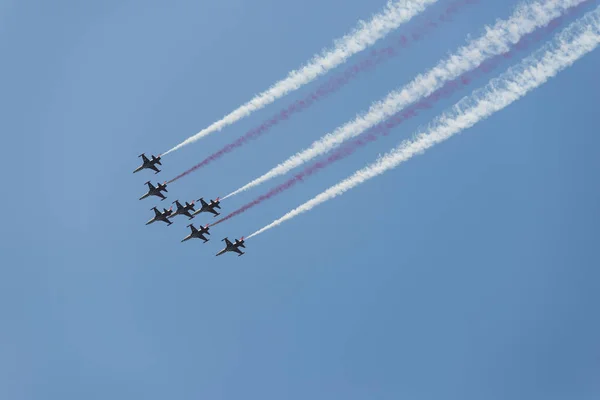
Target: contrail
<point>384,127</point>
<point>497,39</point>
<point>578,39</point>
<point>375,57</point>
<point>367,33</point>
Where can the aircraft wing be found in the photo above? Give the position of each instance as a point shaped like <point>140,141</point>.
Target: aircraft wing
<point>156,212</point>
<point>237,251</point>
<point>162,196</point>
<point>204,204</point>
<point>153,167</point>
<point>187,214</point>
<point>144,158</point>
<point>151,186</point>
<point>228,243</point>
<point>212,210</point>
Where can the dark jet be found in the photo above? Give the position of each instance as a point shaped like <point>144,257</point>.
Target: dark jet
<point>183,210</point>
<point>155,191</point>
<point>197,233</point>
<point>158,216</point>
<point>149,163</point>
<point>208,207</point>
<point>233,246</point>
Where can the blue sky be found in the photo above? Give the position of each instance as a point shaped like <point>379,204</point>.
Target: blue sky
<point>470,272</point>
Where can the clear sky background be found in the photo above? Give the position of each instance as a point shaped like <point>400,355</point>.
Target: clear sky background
<point>469,272</point>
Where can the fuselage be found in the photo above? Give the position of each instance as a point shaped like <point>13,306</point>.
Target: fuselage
<point>197,235</point>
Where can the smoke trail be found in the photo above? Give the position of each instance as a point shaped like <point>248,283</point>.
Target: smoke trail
<point>525,19</point>
<point>366,34</point>
<point>334,84</point>
<point>579,39</point>
<point>383,128</point>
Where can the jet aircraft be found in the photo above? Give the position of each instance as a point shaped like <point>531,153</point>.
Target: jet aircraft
<point>158,216</point>
<point>150,164</point>
<point>197,233</point>
<point>183,210</point>
<point>155,191</point>
<point>208,207</point>
<point>233,246</point>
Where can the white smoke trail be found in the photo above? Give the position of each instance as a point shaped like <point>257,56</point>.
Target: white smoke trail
<point>497,40</point>
<point>578,39</point>
<point>366,34</point>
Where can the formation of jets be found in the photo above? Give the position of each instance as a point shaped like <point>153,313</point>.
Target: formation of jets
<point>189,209</point>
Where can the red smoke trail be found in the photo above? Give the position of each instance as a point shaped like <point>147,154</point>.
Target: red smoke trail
<point>335,83</point>
<point>383,128</point>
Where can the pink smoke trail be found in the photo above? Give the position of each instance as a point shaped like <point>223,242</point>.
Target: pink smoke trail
<point>335,83</point>
<point>383,128</point>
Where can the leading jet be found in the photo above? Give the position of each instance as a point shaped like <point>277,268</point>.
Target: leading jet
<point>155,191</point>
<point>208,207</point>
<point>150,164</point>
<point>164,216</point>
<point>233,246</point>
<point>183,210</point>
<point>197,233</point>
